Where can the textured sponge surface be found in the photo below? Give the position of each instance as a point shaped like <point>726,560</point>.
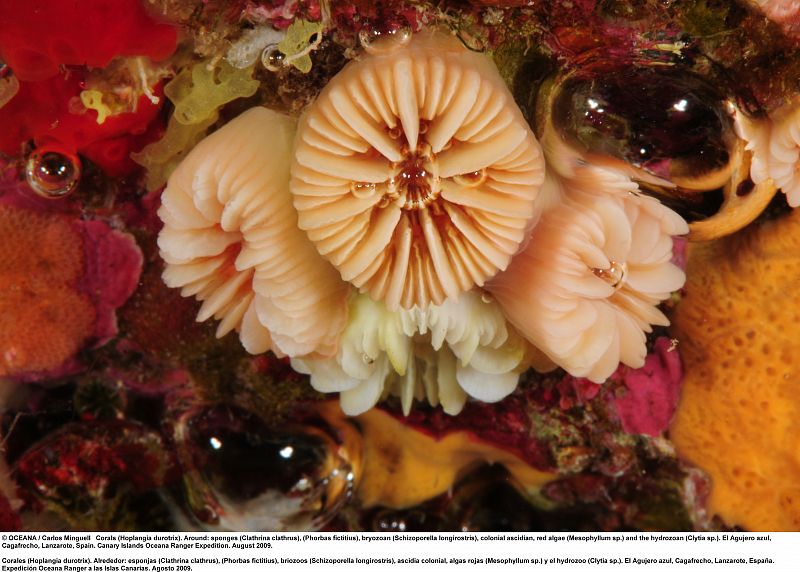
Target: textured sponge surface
<point>739,415</point>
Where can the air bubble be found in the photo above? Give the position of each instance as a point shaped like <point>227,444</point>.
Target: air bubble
<point>472,179</point>
<point>668,121</point>
<point>53,174</point>
<point>376,41</point>
<point>396,132</point>
<point>614,275</point>
<point>362,190</point>
<point>248,475</point>
<point>272,58</point>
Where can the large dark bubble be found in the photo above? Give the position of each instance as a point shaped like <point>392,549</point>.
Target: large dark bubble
<point>667,120</point>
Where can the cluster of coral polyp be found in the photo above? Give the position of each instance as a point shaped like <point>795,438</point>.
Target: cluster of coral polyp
<point>429,256</point>
<point>465,221</point>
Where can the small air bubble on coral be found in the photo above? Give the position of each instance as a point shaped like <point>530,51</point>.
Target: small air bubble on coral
<point>613,275</point>
<point>376,41</point>
<point>362,190</point>
<point>472,179</point>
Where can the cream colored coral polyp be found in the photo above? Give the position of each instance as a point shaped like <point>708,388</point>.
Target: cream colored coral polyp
<point>566,309</point>
<point>230,239</point>
<point>784,148</point>
<point>775,144</point>
<point>382,164</point>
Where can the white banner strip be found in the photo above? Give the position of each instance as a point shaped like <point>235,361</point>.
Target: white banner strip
<point>197,552</point>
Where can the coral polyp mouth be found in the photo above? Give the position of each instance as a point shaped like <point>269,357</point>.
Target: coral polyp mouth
<point>415,174</point>
<point>415,183</point>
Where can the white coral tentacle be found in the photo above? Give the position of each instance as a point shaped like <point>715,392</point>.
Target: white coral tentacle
<point>442,354</point>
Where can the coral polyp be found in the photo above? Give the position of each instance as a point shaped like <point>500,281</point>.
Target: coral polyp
<point>230,238</point>
<point>596,267</point>
<point>775,146</point>
<point>414,172</point>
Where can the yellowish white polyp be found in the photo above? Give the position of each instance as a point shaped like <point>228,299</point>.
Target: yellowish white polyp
<point>440,354</point>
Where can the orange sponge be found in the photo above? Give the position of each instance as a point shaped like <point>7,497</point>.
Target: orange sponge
<point>739,415</point>
<point>44,320</point>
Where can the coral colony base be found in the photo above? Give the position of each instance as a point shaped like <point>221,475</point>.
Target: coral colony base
<point>401,265</point>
